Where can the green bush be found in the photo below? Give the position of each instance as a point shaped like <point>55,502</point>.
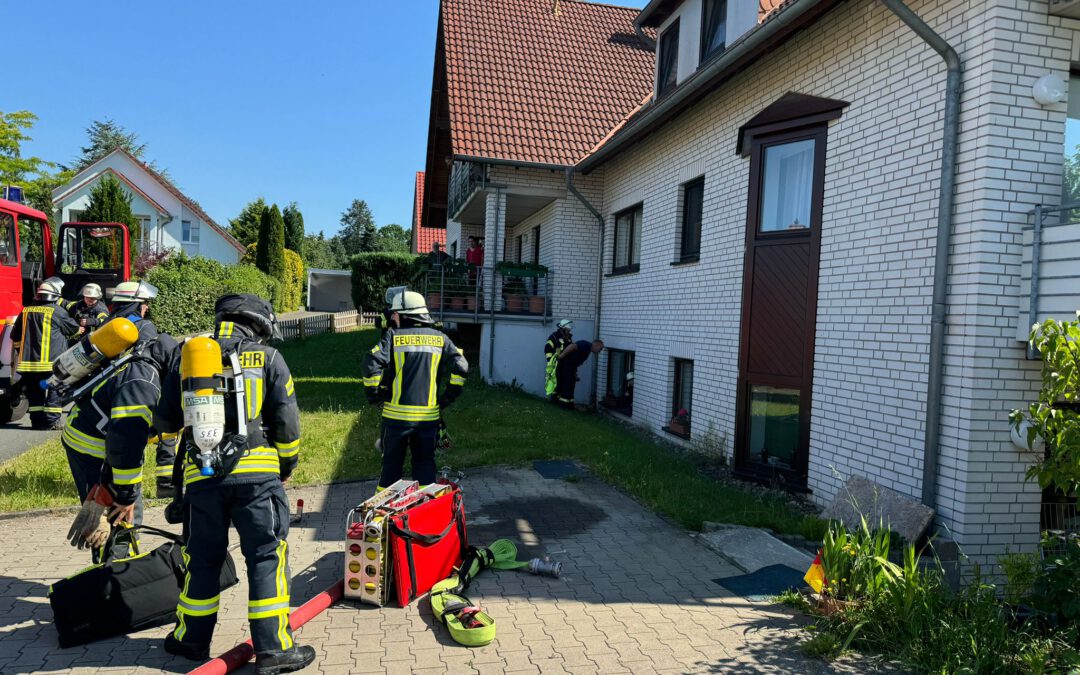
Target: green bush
<point>373,273</point>
<point>291,290</point>
<point>188,288</point>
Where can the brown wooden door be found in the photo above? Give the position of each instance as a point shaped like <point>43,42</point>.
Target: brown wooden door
<point>779,311</point>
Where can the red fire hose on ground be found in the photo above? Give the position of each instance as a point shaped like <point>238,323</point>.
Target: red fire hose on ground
<point>242,653</point>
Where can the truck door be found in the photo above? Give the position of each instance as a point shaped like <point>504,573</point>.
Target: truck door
<point>92,253</point>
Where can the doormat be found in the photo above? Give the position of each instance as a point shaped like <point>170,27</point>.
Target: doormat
<point>763,584</point>
<point>556,469</point>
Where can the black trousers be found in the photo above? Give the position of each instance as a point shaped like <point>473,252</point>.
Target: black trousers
<point>45,407</point>
<point>565,383</point>
<point>260,513</point>
<point>397,439</point>
<point>86,471</point>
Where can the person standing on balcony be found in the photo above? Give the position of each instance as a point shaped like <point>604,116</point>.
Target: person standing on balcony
<point>572,358</point>
<point>437,255</point>
<point>556,343</point>
<point>475,257</point>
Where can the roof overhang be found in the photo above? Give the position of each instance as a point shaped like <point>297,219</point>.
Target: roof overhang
<point>74,187</point>
<point>657,12</point>
<point>781,23</point>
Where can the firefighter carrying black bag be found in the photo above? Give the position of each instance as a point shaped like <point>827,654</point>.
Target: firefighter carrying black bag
<point>234,399</point>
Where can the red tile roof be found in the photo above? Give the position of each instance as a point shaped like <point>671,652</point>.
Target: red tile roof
<point>528,85</point>
<point>423,237</point>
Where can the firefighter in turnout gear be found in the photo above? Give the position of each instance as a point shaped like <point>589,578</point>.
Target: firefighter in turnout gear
<point>90,312</point>
<point>165,456</point>
<point>105,436</point>
<point>402,373</point>
<point>244,489</point>
<point>41,334</point>
<point>556,343</point>
<point>131,300</point>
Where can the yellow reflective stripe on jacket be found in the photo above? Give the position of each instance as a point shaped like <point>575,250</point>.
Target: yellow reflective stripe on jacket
<point>258,460</point>
<point>225,329</point>
<point>123,411</point>
<point>82,443</point>
<point>410,413</point>
<point>33,367</point>
<point>290,388</point>
<point>399,364</point>
<point>288,449</point>
<point>372,381</point>
<point>433,384</point>
<point>457,380</point>
<point>127,476</point>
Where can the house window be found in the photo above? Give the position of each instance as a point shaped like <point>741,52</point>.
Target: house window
<point>144,232</point>
<point>774,427</point>
<point>1070,188</point>
<point>74,216</point>
<point>682,393</point>
<point>627,240</point>
<point>788,186</point>
<point>667,69</point>
<point>693,202</point>
<point>620,381</point>
<point>190,232</point>
<point>713,27</point>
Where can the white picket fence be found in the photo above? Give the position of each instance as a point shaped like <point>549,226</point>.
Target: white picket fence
<point>316,324</point>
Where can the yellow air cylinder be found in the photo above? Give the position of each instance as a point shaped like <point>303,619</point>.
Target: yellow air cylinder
<point>87,355</point>
<point>204,406</point>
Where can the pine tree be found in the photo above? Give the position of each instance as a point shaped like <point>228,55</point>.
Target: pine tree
<point>294,227</point>
<point>270,255</point>
<point>357,229</point>
<point>246,226</point>
<point>111,203</point>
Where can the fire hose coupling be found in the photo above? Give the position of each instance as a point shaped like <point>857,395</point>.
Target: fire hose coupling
<point>545,568</point>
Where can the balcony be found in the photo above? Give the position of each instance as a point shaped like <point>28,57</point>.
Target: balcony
<point>465,179</point>
<point>1050,275</point>
<point>462,292</point>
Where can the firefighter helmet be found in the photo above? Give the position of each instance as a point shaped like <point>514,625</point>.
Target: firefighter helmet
<point>49,290</point>
<point>91,291</point>
<point>566,324</point>
<point>393,297</point>
<point>136,292</point>
<point>248,310</point>
<point>412,304</point>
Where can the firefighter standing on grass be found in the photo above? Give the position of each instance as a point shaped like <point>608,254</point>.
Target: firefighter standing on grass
<point>105,438</point>
<point>41,333</point>
<point>402,373</point>
<point>245,490</point>
<point>556,343</point>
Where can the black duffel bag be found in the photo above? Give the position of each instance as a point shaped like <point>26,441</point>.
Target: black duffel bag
<point>123,596</point>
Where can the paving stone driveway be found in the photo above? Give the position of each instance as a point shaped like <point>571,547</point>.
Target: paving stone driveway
<point>636,595</point>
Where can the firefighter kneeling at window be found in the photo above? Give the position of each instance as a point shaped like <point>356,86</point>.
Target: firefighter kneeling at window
<point>105,439</point>
<point>41,333</point>
<point>242,488</point>
<point>402,373</point>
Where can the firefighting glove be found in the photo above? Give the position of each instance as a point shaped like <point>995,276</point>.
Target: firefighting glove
<point>91,528</point>
<point>444,442</point>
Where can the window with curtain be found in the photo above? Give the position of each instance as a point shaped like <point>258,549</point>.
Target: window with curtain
<point>667,70</point>
<point>788,183</point>
<point>693,205</point>
<point>620,381</point>
<point>627,240</point>
<point>713,27</point>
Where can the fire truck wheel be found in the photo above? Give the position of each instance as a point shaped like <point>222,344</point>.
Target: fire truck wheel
<point>12,411</point>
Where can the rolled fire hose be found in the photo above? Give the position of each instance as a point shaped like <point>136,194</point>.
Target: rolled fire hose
<point>242,653</point>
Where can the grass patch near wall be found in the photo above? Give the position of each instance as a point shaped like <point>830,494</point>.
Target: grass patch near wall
<point>489,425</point>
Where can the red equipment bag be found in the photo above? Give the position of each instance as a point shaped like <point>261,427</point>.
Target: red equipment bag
<point>427,542</point>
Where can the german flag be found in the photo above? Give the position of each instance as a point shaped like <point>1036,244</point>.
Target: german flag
<point>815,576</point>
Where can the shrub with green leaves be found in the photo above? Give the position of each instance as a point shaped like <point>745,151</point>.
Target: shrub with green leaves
<point>373,273</point>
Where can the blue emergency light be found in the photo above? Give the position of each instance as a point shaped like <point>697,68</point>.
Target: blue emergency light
<point>13,193</point>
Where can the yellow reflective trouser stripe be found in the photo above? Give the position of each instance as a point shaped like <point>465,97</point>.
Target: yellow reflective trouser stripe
<point>123,411</point>
<point>127,476</point>
<point>193,607</point>
<point>283,592</point>
<point>264,609</point>
<point>457,380</point>
<point>181,628</point>
<point>163,470</point>
<point>52,409</point>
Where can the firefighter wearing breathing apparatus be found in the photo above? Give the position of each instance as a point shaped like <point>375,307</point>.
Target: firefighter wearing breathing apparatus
<point>105,436</point>
<point>90,312</point>
<point>132,300</point>
<point>402,373</point>
<point>556,343</point>
<point>41,333</point>
<point>234,398</point>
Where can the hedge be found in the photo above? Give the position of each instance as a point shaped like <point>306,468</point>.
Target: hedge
<point>292,290</point>
<point>189,287</point>
<point>373,273</point>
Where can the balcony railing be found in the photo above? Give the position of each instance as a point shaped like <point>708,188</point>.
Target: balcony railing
<point>456,290</point>
<point>465,178</point>
<point>1050,276</point>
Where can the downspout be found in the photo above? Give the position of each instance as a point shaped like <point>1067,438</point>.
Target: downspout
<point>946,199</point>
<point>491,333</point>
<point>599,272</point>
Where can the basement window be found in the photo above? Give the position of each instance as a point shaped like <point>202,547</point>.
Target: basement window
<point>620,382</point>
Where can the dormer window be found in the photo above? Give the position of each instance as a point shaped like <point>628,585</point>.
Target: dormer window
<point>667,70</point>
<point>713,27</point>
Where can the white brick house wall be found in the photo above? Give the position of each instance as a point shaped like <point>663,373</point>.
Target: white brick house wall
<point>877,251</point>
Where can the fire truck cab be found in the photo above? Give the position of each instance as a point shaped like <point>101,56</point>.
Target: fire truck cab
<point>87,252</point>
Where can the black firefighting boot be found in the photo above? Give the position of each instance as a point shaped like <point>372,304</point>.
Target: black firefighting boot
<point>297,658</point>
<point>186,650</point>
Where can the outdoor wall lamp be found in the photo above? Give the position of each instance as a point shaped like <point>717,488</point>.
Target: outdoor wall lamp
<point>1048,89</point>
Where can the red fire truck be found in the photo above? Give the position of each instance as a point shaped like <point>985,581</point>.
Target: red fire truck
<point>85,253</point>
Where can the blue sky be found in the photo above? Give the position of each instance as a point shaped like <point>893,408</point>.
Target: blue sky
<point>319,102</point>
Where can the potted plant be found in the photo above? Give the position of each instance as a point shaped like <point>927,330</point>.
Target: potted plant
<point>509,268</point>
<point>513,294</point>
<point>680,423</point>
<point>434,293</point>
<point>537,304</point>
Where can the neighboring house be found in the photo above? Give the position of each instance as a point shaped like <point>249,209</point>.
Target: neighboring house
<point>423,237</point>
<point>168,219</point>
<point>770,225</point>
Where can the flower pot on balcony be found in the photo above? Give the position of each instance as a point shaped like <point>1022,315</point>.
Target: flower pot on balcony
<point>457,302</point>
<point>537,304</point>
<point>434,301</point>
<point>514,303</point>
<point>470,303</point>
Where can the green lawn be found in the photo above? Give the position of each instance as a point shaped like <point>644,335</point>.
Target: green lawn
<point>490,425</point>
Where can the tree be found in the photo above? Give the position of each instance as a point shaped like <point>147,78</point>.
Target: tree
<point>392,239</point>
<point>270,256</point>
<point>104,137</point>
<point>294,227</point>
<point>357,229</point>
<point>111,203</point>
<point>245,227</point>
<point>322,253</point>
<point>14,168</point>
